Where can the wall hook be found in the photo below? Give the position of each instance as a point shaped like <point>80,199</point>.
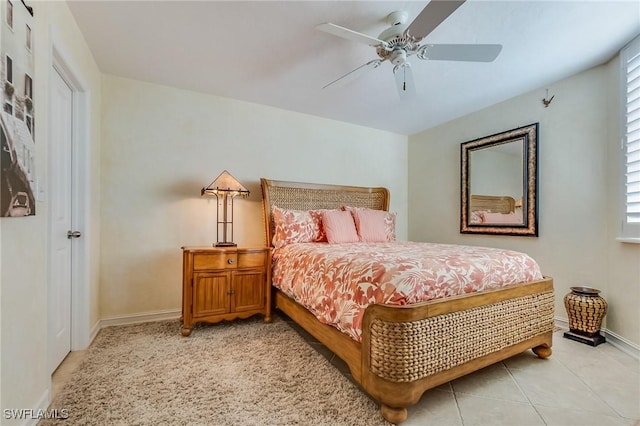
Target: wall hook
<point>546,101</point>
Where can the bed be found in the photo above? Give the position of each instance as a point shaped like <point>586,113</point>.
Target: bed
<point>492,203</point>
<point>491,209</point>
<point>404,350</point>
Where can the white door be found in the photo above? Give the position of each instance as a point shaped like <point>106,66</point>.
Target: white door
<point>60,268</point>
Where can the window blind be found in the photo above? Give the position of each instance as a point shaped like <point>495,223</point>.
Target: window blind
<point>631,138</point>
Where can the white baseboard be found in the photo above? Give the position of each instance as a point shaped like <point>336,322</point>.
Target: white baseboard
<point>562,323</point>
<point>31,418</point>
<point>619,342</point>
<point>94,332</point>
<point>623,344</point>
<point>138,318</point>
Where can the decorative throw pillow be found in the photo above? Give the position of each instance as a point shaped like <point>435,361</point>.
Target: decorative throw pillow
<point>339,227</point>
<point>371,225</point>
<point>389,220</point>
<point>476,217</point>
<point>295,226</point>
<point>316,215</point>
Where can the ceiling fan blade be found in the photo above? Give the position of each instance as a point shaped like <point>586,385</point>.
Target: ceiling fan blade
<point>431,16</point>
<point>343,32</point>
<point>352,75</point>
<point>460,52</point>
<point>404,81</point>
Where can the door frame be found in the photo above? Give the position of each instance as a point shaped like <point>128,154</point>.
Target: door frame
<point>80,197</point>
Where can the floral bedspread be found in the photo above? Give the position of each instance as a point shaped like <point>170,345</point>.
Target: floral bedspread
<point>336,282</point>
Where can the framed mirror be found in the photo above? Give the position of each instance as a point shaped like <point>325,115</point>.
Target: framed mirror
<point>499,183</point>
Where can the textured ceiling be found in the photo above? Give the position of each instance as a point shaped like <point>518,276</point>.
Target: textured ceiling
<point>269,52</point>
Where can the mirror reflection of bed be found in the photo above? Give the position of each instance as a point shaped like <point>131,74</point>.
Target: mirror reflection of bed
<point>495,210</point>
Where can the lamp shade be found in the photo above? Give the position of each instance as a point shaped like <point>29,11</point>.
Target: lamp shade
<point>225,183</point>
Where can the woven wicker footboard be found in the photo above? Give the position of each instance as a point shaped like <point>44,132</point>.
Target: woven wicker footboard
<point>407,351</point>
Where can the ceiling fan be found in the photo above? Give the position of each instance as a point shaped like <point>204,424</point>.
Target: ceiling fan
<point>401,41</point>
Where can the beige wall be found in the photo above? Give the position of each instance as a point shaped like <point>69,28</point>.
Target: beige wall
<point>23,312</point>
<point>161,145</point>
<point>578,190</point>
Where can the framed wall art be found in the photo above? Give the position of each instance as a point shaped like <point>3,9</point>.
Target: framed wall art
<point>17,171</point>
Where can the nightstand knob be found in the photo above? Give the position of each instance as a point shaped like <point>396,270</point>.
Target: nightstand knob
<point>230,261</point>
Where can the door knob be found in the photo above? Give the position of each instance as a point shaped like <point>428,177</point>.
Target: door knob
<point>74,234</point>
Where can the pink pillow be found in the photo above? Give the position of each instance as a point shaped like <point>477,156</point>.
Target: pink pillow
<point>371,225</point>
<point>296,226</point>
<point>389,220</point>
<point>316,215</point>
<point>477,217</point>
<point>339,227</point>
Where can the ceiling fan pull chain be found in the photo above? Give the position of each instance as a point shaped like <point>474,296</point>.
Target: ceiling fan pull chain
<point>404,78</point>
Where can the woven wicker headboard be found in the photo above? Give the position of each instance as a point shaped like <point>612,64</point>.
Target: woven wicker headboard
<point>492,203</point>
<point>309,196</point>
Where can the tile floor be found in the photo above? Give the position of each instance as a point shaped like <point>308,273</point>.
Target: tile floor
<point>578,385</point>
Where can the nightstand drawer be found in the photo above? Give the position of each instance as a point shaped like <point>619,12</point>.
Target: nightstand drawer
<point>251,260</point>
<point>204,261</point>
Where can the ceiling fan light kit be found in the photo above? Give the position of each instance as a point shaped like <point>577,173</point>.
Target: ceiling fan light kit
<point>398,56</point>
<point>400,41</point>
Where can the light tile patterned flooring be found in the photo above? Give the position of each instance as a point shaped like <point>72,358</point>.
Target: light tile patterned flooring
<point>578,385</point>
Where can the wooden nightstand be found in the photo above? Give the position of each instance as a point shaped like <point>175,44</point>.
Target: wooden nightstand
<point>224,283</point>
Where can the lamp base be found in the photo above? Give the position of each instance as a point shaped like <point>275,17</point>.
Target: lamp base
<point>225,244</point>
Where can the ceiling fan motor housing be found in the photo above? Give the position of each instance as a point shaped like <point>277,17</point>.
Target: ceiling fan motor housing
<point>398,48</point>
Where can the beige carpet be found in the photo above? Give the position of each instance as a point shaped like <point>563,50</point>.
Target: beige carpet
<point>239,373</point>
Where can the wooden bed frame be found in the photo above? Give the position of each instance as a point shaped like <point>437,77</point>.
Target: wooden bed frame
<point>406,350</point>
